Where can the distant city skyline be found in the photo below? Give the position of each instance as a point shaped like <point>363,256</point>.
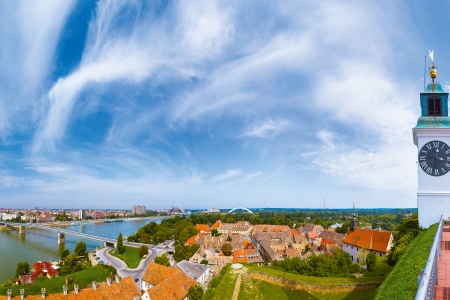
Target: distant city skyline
<point>202,104</point>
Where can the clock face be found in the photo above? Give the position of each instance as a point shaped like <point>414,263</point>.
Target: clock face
<point>434,158</point>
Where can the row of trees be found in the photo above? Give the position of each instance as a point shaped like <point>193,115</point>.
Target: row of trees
<point>386,219</point>
<point>338,264</point>
<point>178,228</point>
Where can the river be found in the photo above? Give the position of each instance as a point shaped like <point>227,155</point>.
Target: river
<point>37,244</point>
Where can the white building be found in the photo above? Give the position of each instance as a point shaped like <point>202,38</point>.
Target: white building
<point>199,272</point>
<point>363,240</point>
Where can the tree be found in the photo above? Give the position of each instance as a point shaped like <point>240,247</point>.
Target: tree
<point>362,257</point>
<point>80,248</point>
<point>162,260</point>
<point>371,259</point>
<point>344,228</point>
<point>215,232</point>
<point>204,262</point>
<point>22,268</point>
<point>143,250</point>
<point>69,265</point>
<point>65,253</point>
<point>227,249</point>
<point>195,292</point>
<point>120,246</point>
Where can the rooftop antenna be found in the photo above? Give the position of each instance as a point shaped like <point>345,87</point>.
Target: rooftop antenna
<point>424,72</point>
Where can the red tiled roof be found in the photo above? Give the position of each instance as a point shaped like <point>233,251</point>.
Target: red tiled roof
<point>191,240</point>
<point>369,239</point>
<point>168,283</point>
<point>125,289</point>
<point>156,273</point>
<point>294,231</point>
<point>216,225</point>
<point>311,235</point>
<point>326,242</point>
<point>43,267</point>
<point>203,227</point>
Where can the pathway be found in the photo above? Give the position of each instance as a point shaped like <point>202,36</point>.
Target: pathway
<point>442,290</point>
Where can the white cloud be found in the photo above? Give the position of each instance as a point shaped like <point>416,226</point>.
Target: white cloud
<point>30,33</point>
<point>268,129</point>
<point>229,174</point>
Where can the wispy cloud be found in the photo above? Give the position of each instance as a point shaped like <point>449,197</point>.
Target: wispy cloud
<point>269,129</point>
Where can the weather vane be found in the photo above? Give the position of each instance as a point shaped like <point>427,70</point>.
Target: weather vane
<point>433,71</point>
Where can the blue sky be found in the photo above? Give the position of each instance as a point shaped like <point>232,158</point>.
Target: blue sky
<point>204,104</point>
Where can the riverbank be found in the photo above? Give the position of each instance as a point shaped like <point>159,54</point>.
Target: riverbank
<point>100,221</point>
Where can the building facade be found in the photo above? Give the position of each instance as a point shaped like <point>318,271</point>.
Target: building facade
<point>138,210</point>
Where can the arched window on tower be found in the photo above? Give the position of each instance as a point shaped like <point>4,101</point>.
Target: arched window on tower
<point>434,106</point>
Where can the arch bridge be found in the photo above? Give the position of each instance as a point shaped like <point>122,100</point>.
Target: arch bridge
<point>243,208</point>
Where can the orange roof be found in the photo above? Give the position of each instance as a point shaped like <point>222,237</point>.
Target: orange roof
<point>326,242</point>
<point>125,289</point>
<point>156,273</point>
<point>369,239</point>
<point>203,227</point>
<point>294,231</point>
<point>191,240</point>
<point>168,283</point>
<point>312,235</point>
<point>175,287</point>
<point>216,225</point>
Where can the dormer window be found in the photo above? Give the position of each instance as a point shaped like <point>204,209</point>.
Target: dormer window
<point>434,107</point>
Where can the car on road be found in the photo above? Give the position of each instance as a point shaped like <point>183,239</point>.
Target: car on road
<point>101,262</point>
<point>136,279</point>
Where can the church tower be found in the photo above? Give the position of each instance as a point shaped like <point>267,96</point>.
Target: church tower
<point>432,138</point>
<point>353,221</point>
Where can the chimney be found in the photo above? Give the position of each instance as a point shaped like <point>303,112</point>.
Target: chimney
<point>94,285</point>
<point>22,294</point>
<point>75,288</point>
<point>43,292</point>
<point>65,290</point>
<point>117,278</point>
<point>108,281</point>
<point>9,294</point>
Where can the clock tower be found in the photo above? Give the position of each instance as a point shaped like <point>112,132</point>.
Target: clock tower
<point>432,138</point>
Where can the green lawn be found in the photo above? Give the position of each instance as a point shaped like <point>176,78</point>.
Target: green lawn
<point>55,285</point>
<point>130,256</point>
<point>401,283</point>
<point>262,290</point>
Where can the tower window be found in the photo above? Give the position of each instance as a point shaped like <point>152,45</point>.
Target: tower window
<point>434,107</point>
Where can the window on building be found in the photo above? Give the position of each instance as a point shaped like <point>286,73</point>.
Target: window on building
<point>434,106</point>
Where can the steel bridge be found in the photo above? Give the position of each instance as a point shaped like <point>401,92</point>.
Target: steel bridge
<point>64,231</point>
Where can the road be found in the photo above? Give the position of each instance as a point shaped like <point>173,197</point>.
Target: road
<point>121,267</point>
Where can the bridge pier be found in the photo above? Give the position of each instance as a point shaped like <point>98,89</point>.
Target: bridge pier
<point>61,238</point>
<point>22,229</point>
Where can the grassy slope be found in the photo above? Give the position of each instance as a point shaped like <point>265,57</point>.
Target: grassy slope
<point>55,285</point>
<point>222,286</point>
<point>401,283</point>
<point>316,280</point>
<point>262,290</point>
